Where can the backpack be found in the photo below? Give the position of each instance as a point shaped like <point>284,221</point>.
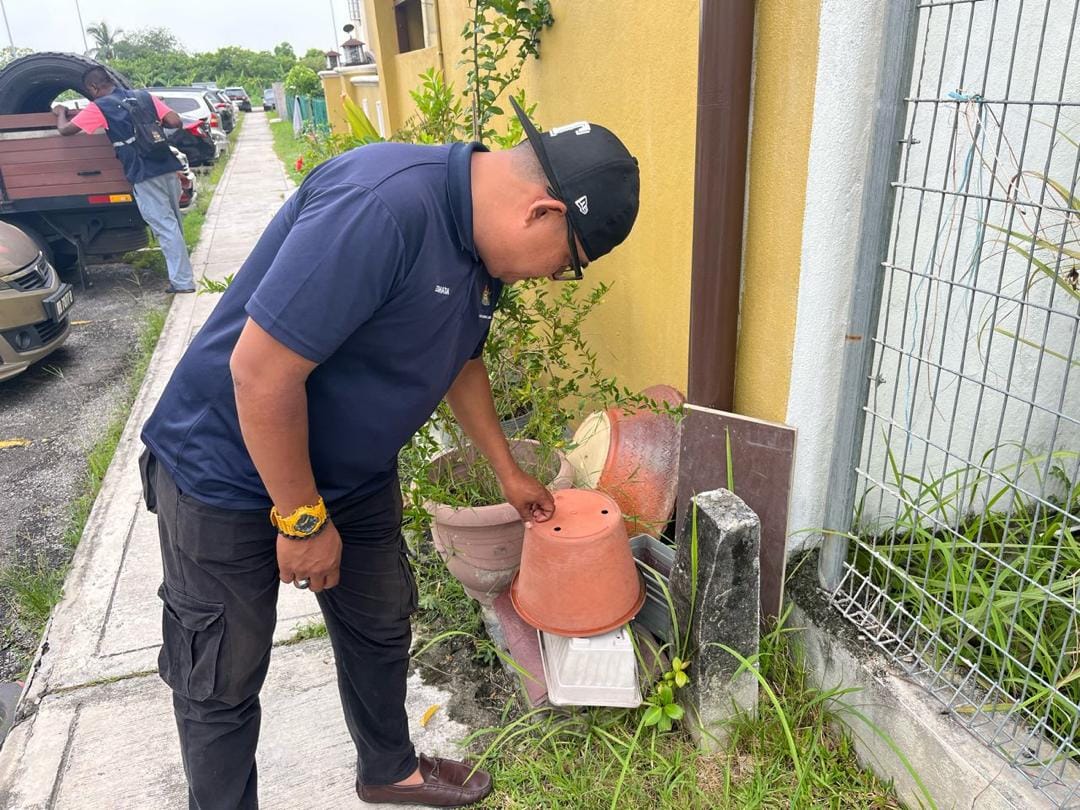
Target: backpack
<point>149,139</point>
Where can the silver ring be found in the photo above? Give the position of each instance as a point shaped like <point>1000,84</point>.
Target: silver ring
<point>303,584</point>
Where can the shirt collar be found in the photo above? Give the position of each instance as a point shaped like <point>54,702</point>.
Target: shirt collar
<point>459,191</point>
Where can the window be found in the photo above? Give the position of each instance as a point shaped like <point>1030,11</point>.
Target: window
<point>181,104</point>
<point>409,16</point>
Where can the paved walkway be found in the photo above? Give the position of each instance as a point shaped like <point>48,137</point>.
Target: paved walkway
<point>96,728</point>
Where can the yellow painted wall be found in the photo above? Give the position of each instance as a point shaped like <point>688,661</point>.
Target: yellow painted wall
<point>407,68</point>
<point>625,65</point>
<point>333,88</point>
<point>622,64</point>
<point>784,76</point>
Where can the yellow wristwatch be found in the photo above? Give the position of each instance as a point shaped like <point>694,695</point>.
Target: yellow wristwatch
<point>304,522</point>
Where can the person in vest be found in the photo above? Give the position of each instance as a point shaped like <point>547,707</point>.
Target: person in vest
<point>157,188</point>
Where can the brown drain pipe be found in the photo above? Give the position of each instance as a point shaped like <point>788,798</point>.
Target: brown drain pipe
<point>725,61</point>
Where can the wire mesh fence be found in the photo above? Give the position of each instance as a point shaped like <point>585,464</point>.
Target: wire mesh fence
<point>964,558</point>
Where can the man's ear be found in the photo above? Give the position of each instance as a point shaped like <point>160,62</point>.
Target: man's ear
<point>542,207</point>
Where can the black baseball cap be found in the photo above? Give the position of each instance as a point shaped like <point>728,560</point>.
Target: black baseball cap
<point>593,174</point>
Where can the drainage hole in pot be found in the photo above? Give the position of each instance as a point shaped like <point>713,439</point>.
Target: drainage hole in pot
<point>603,511</point>
<point>557,529</point>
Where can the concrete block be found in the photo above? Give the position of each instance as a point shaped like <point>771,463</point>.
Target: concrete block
<point>726,610</point>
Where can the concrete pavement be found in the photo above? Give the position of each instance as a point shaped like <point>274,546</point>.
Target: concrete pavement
<point>95,726</point>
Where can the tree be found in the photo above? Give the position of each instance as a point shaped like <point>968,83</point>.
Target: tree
<point>147,43</point>
<point>285,50</point>
<point>105,39</point>
<point>9,54</point>
<point>303,81</point>
<point>314,59</point>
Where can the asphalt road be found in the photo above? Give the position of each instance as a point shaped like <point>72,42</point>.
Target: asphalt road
<point>63,405</point>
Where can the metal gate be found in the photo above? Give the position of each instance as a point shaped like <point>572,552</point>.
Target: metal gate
<point>954,496</point>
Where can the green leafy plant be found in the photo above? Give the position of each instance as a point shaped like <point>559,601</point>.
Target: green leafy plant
<point>663,711</point>
<point>544,377</point>
<point>303,81</point>
<point>499,38</point>
<point>439,116</point>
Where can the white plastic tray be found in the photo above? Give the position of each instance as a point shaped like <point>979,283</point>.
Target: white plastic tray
<point>596,671</point>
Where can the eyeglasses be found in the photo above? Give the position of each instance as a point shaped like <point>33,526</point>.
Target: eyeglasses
<point>572,271</point>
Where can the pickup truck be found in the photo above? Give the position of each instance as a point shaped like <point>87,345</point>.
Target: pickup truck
<point>69,194</point>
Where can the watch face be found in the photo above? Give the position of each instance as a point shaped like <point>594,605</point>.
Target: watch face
<point>306,523</point>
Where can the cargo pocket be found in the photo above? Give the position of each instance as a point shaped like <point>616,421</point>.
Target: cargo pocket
<point>192,631</point>
<point>410,596</point>
<point>147,463</point>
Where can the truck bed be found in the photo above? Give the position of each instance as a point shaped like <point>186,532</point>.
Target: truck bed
<point>38,165</point>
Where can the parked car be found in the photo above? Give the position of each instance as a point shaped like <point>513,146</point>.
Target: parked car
<point>195,141</point>
<point>193,102</point>
<point>269,99</point>
<point>225,108</point>
<point>34,303</point>
<point>240,96</point>
<point>231,102</point>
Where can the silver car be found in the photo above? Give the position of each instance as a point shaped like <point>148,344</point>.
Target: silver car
<point>34,303</point>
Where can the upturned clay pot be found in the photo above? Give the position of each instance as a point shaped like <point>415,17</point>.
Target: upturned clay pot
<point>633,456</point>
<point>482,545</point>
<point>578,577</point>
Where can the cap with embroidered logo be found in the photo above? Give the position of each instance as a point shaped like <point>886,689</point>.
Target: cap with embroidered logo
<point>590,171</point>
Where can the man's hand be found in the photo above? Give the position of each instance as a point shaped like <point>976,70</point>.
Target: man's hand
<point>316,560</point>
<point>59,109</point>
<point>526,494</point>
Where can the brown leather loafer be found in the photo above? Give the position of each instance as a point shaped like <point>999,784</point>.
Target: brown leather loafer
<point>445,785</point>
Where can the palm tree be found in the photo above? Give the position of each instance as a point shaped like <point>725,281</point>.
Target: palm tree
<point>105,39</point>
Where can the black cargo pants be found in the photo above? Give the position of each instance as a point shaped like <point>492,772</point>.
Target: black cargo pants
<point>220,604</point>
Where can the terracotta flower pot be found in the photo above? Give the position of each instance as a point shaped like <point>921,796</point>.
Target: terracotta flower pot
<point>633,456</point>
<point>482,545</point>
<point>578,577</point>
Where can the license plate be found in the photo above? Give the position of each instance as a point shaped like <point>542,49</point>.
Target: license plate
<point>58,304</point>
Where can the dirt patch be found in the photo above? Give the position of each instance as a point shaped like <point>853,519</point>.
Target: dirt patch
<point>63,406</point>
<point>480,692</point>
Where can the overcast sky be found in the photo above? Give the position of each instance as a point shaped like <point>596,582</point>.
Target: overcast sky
<point>201,25</point>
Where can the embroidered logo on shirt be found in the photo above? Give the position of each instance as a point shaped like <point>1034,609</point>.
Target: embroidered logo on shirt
<point>485,296</point>
<point>441,290</point>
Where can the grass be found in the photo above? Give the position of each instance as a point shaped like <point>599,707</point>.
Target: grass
<point>305,632</point>
<point>997,583</point>
<point>288,148</point>
<point>789,753</point>
<point>605,758</point>
<point>34,587</point>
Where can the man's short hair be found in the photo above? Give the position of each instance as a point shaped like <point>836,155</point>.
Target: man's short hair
<point>98,75</point>
<point>527,165</point>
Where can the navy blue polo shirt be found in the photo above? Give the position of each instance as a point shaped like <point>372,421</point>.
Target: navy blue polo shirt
<point>368,270</point>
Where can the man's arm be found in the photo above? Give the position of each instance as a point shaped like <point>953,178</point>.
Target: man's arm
<point>64,126</point>
<point>166,114</point>
<point>271,402</point>
<point>470,400</point>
